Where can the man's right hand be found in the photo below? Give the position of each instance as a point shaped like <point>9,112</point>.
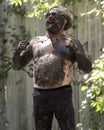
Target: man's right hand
<point>22,45</point>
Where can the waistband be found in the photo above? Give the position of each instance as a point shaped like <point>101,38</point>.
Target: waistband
<point>54,89</point>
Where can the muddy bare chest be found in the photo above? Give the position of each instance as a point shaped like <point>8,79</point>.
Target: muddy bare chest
<point>50,62</point>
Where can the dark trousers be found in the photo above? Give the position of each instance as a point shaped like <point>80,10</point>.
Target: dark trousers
<point>55,101</point>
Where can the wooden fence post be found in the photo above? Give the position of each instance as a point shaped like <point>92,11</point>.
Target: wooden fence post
<point>2,86</point>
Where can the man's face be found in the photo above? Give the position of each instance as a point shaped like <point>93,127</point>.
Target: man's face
<point>54,21</point>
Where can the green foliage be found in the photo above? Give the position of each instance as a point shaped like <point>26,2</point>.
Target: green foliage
<point>98,9</point>
<point>94,85</point>
<point>6,61</point>
<point>14,38</point>
<point>1,1</point>
<point>39,7</point>
<point>17,2</point>
<point>93,89</point>
<point>68,2</point>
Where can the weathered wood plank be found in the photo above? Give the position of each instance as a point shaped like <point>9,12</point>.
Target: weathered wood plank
<point>2,81</point>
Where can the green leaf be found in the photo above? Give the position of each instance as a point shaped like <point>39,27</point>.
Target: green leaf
<point>84,88</point>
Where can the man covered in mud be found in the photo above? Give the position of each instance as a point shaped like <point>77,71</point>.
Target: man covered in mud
<point>53,55</point>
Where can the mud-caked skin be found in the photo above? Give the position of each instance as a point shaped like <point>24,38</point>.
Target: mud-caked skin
<point>51,66</point>
<point>52,62</point>
<point>53,55</point>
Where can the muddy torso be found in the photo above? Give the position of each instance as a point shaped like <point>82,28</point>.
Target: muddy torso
<point>51,63</point>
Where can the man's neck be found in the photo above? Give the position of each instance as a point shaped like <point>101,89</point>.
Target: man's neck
<point>56,38</point>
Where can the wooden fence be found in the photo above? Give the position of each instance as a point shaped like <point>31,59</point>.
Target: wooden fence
<point>19,86</point>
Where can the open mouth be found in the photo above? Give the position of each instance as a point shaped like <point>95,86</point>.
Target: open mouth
<point>51,22</point>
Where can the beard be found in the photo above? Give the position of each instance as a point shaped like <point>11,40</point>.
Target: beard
<point>54,28</point>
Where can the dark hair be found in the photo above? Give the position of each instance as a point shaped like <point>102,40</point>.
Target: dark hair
<point>65,13</point>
